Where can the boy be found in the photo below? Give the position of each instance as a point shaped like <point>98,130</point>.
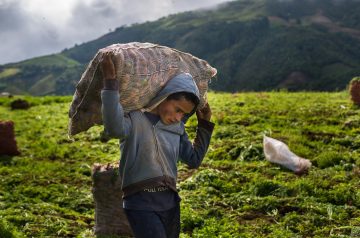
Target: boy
<point>151,143</point>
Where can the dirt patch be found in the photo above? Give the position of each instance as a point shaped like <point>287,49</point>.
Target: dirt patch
<point>319,136</point>
<point>255,217</point>
<point>295,78</point>
<point>185,174</point>
<point>278,20</point>
<point>324,21</point>
<point>318,19</point>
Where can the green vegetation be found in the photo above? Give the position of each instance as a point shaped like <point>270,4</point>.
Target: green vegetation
<point>44,86</point>
<point>9,72</point>
<point>256,45</point>
<point>59,60</point>
<point>46,191</point>
<point>355,79</point>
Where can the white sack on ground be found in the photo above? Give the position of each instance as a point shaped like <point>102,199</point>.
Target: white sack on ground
<point>278,152</point>
<point>142,70</point>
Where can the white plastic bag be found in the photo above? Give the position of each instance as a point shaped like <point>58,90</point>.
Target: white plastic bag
<point>278,152</point>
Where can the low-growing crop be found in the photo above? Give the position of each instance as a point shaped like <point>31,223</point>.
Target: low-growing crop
<point>46,191</point>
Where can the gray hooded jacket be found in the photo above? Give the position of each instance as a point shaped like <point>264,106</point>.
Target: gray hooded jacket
<point>149,153</point>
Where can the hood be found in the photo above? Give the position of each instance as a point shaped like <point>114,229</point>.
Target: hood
<point>183,82</point>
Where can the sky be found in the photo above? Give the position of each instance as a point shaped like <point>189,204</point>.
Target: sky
<point>30,28</point>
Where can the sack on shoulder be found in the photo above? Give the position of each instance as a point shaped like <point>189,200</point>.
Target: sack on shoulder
<point>142,70</point>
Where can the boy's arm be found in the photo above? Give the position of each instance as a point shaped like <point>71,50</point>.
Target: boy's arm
<point>116,124</point>
<point>193,153</point>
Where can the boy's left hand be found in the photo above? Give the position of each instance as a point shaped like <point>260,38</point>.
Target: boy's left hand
<point>204,113</point>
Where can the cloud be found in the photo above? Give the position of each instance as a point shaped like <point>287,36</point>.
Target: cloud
<point>8,11</point>
<point>23,35</point>
<point>32,28</point>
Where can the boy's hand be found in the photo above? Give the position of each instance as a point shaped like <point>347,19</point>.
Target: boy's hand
<point>204,113</point>
<point>108,67</point>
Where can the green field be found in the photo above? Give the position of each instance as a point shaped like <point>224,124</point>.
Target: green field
<point>46,191</point>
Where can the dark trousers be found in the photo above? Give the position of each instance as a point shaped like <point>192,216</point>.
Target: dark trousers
<point>153,224</point>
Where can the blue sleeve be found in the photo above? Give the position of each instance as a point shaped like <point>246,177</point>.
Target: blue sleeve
<point>193,154</point>
<point>115,123</point>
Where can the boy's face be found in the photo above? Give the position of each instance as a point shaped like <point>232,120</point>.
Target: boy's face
<point>172,111</point>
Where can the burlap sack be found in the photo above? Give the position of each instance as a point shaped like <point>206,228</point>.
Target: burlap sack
<point>110,218</point>
<point>142,70</point>
<point>7,139</point>
<point>354,90</point>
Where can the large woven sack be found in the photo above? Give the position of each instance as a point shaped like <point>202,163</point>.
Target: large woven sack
<point>110,218</point>
<point>142,70</point>
<point>7,139</point>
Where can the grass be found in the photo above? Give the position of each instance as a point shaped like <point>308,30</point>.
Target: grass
<point>9,72</point>
<point>44,86</point>
<point>46,191</point>
<point>51,60</point>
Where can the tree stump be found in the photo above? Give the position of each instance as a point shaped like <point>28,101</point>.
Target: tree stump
<point>110,218</point>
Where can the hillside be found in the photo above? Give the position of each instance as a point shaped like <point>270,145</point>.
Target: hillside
<point>46,191</point>
<point>255,45</point>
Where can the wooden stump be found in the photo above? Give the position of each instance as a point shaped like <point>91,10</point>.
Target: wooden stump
<point>110,218</point>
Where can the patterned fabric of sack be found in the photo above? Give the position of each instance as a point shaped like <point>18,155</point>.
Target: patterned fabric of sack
<point>142,70</point>
<point>110,217</point>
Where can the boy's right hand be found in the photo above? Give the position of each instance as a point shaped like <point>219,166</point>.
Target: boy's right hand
<point>108,68</point>
<point>204,113</point>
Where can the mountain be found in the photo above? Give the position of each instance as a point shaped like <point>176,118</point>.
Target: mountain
<point>256,45</point>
